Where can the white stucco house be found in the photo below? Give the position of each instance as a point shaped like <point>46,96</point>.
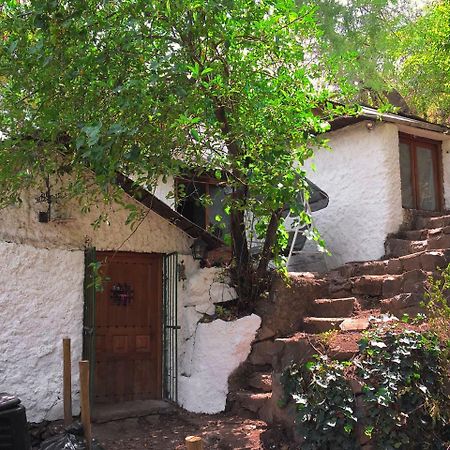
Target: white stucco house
<point>144,333</point>
<point>379,167</point>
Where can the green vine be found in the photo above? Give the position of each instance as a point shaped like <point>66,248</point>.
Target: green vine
<point>404,402</point>
<point>324,403</point>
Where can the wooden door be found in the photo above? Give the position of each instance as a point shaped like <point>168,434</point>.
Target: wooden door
<point>421,173</point>
<point>128,328</point>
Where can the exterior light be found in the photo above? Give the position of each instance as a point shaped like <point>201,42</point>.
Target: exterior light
<point>199,249</point>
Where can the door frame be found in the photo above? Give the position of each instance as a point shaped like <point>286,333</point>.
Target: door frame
<point>436,147</point>
<point>90,308</point>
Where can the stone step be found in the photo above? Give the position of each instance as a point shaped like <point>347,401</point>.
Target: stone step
<point>386,286</point>
<point>406,303</point>
<point>401,247</point>
<point>260,381</point>
<point>252,401</point>
<point>427,260</point>
<point>316,325</point>
<point>414,235</point>
<point>333,307</point>
<point>431,222</point>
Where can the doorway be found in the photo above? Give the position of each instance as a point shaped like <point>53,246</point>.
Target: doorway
<point>128,343</point>
<point>421,173</point>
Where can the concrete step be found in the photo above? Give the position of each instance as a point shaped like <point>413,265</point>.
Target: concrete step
<point>333,307</point>
<point>316,325</point>
<point>260,381</point>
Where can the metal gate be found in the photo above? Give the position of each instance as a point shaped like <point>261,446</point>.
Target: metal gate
<point>90,260</point>
<point>170,327</point>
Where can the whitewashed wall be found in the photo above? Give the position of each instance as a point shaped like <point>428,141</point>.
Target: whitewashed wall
<point>155,234</point>
<point>41,301</point>
<point>361,175</point>
<point>41,292</point>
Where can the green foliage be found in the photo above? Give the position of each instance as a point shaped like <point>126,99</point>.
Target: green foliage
<point>403,376</point>
<point>424,51</point>
<point>325,409</point>
<point>150,88</point>
<point>436,304</point>
<point>404,401</point>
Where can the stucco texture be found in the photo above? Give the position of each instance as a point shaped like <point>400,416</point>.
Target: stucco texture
<point>41,299</point>
<point>155,234</point>
<point>219,349</point>
<point>41,302</point>
<point>361,175</point>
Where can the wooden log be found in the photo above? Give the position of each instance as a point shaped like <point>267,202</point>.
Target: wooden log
<point>85,402</point>
<point>194,443</point>
<point>67,382</point>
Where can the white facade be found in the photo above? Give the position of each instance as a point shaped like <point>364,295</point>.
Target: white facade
<point>361,175</point>
<point>42,295</point>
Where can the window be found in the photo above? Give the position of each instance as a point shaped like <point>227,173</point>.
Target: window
<point>420,173</point>
<point>201,200</point>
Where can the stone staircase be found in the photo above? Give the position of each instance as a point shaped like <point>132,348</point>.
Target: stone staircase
<point>342,300</point>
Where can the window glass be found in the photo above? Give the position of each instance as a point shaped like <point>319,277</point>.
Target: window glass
<point>425,178</point>
<point>406,176</point>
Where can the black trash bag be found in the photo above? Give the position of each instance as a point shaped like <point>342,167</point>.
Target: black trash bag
<point>71,439</point>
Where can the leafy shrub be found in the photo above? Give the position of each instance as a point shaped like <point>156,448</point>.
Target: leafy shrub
<point>404,403</point>
<point>437,307</point>
<point>403,376</point>
<point>324,403</point>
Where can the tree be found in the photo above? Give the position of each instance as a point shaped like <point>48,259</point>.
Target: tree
<point>424,53</point>
<point>360,37</point>
<point>149,88</point>
<point>392,51</point>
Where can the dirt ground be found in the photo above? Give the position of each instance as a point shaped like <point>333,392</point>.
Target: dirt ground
<point>168,431</point>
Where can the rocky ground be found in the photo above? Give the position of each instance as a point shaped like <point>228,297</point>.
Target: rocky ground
<point>167,432</point>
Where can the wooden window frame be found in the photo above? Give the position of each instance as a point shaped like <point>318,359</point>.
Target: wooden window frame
<point>207,181</point>
<point>436,147</point>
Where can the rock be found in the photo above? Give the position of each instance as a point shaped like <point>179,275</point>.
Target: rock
<point>321,324</point>
<point>355,324</point>
<point>392,285</point>
<point>222,292</point>
<point>219,349</point>
<point>406,303</point>
<point>264,333</point>
<point>261,381</point>
<point>252,401</point>
<point>394,266</point>
<point>296,349</point>
<point>198,286</point>
<point>206,308</point>
<point>333,307</point>
<point>369,285</point>
<point>263,352</point>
